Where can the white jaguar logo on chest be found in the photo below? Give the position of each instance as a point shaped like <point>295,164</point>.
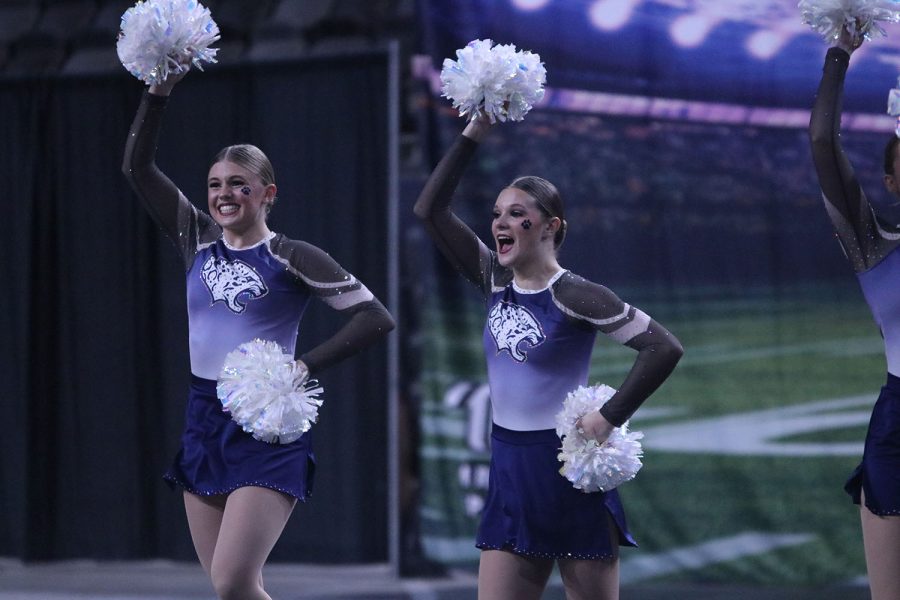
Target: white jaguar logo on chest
<point>227,280</point>
<point>513,326</point>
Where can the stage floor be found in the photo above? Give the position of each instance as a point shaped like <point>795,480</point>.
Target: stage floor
<point>166,580</point>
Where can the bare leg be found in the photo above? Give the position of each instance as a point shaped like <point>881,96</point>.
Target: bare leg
<point>204,515</point>
<point>503,575</point>
<point>881,539</point>
<point>590,579</point>
<point>593,579</point>
<point>253,521</point>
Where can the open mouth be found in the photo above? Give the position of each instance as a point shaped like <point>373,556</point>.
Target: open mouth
<point>504,243</point>
<point>227,209</point>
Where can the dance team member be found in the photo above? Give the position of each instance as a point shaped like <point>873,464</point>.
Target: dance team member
<point>870,244</point>
<point>243,282</point>
<point>540,331</point>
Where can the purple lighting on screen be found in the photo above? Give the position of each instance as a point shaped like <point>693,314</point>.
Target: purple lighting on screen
<point>610,15</point>
<point>766,43</point>
<point>530,5</point>
<point>689,31</point>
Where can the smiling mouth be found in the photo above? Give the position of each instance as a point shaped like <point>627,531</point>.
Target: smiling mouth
<point>504,244</point>
<point>227,209</point>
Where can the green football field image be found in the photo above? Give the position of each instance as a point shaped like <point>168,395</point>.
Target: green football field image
<point>747,446</point>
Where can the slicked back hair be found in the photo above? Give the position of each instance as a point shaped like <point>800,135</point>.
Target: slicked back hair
<point>548,200</point>
<point>251,158</point>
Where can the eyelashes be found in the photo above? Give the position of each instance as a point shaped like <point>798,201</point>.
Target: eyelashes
<point>245,189</point>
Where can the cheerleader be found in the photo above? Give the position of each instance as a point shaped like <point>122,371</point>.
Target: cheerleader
<point>541,325</point>
<point>243,282</point>
<point>870,242</point>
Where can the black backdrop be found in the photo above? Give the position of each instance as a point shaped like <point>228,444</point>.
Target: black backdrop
<point>94,332</point>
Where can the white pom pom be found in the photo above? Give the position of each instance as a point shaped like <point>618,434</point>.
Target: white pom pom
<point>828,17</point>
<point>498,81</point>
<point>893,108</point>
<point>894,101</point>
<point>158,36</point>
<point>527,88</point>
<point>267,394</point>
<point>590,466</point>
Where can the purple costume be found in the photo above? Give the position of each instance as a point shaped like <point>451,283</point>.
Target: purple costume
<point>234,296</point>
<point>871,247</point>
<point>538,347</point>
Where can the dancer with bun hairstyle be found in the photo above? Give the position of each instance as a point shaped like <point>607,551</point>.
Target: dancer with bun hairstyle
<point>870,241</point>
<point>541,325</point>
<point>243,282</point>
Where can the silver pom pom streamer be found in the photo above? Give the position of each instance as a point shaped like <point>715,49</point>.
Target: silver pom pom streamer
<point>860,17</point>
<point>158,37</point>
<point>894,106</point>
<point>267,393</point>
<point>590,466</point>
<point>498,81</point>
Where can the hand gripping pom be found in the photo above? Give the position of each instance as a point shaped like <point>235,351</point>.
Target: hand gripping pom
<point>590,466</point>
<point>159,36</point>
<point>828,17</point>
<point>267,394</point>
<point>499,81</point>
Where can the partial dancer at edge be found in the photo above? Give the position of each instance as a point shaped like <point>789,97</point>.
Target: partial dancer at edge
<point>540,331</point>
<point>870,243</point>
<point>243,282</point>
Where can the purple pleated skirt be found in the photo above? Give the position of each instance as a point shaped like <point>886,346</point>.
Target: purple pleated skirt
<point>879,472</point>
<point>217,456</point>
<point>532,510</point>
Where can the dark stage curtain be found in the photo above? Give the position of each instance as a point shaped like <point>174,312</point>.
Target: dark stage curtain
<point>94,345</point>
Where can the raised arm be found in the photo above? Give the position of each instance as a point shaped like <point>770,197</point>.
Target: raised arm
<point>658,350</point>
<point>162,198</point>
<point>845,200</point>
<point>367,319</point>
<point>459,244</point>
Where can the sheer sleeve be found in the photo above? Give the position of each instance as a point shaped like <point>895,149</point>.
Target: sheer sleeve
<point>368,320</point>
<point>864,241</point>
<point>459,244</point>
<point>658,350</point>
<point>177,217</point>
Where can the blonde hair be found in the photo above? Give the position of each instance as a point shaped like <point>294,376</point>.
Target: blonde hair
<point>251,158</point>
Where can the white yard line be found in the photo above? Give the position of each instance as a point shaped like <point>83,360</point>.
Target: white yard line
<point>749,543</point>
<point>761,432</point>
